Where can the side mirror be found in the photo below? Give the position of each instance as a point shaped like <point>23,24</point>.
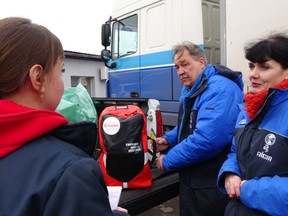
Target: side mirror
<point>105,34</point>
<point>106,57</point>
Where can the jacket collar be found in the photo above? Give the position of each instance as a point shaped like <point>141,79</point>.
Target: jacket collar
<point>81,134</point>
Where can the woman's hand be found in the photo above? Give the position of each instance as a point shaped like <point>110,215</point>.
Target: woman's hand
<point>233,185</point>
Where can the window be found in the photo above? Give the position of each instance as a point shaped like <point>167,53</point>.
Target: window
<point>125,37</point>
<point>85,81</point>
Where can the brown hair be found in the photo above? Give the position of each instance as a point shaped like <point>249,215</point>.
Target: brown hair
<point>22,45</point>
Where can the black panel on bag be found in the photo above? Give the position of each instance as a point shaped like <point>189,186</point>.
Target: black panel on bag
<point>125,154</point>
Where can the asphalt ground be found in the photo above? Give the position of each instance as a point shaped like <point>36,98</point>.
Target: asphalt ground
<point>168,208</point>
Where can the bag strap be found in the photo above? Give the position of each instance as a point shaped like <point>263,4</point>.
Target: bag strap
<point>154,150</point>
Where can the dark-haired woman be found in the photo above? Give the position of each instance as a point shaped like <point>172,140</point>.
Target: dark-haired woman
<point>255,175</point>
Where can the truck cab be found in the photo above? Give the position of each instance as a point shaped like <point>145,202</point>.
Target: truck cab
<point>138,40</point>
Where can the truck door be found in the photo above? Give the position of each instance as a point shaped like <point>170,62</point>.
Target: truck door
<point>211,30</point>
<point>124,78</point>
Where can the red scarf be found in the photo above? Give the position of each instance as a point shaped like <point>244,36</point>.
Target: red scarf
<point>255,101</point>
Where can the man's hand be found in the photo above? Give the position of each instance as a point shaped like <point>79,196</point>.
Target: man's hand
<point>161,144</point>
<point>159,162</point>
<point>121,209</point>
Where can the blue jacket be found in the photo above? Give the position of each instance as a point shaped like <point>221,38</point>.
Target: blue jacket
<point>259,156</point>
<point>212,119</point>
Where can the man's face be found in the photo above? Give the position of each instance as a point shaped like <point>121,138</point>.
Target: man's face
<point>188,68</point>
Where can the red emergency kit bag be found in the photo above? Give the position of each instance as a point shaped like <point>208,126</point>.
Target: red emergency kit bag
<point>124,144</point>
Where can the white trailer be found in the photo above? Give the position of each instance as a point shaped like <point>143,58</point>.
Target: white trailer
<point>244,21</point>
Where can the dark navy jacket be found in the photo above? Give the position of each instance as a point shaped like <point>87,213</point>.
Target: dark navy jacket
<point>259,156</point>
<point>50,176</point>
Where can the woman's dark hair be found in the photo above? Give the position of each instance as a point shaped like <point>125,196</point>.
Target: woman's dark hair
<point>273,47</point>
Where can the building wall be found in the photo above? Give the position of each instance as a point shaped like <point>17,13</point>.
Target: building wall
<point>83,67</point>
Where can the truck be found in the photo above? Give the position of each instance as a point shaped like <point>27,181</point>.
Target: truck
<point>141,34</point>
<point>138,39</point>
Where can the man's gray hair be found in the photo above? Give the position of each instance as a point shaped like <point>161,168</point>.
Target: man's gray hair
<point>195,51</point>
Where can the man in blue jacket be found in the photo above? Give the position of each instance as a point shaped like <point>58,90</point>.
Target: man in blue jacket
<point>198,146</point>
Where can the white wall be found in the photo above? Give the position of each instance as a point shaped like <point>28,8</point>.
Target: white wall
<point>86,68</point>
<point>248,20</point>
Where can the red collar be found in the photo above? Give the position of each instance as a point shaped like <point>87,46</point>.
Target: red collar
<point>255,101</point>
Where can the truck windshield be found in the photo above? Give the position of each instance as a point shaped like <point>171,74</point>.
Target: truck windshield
<point>124,37</point>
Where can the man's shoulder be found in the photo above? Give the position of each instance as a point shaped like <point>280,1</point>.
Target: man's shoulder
<point>223,82</point>
<point>229,76</point>
<point>222,87</point>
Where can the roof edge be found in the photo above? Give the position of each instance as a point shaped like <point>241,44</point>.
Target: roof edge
<point>79,55</point>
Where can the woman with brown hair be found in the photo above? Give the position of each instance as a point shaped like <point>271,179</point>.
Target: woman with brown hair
<point>42,169</point>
